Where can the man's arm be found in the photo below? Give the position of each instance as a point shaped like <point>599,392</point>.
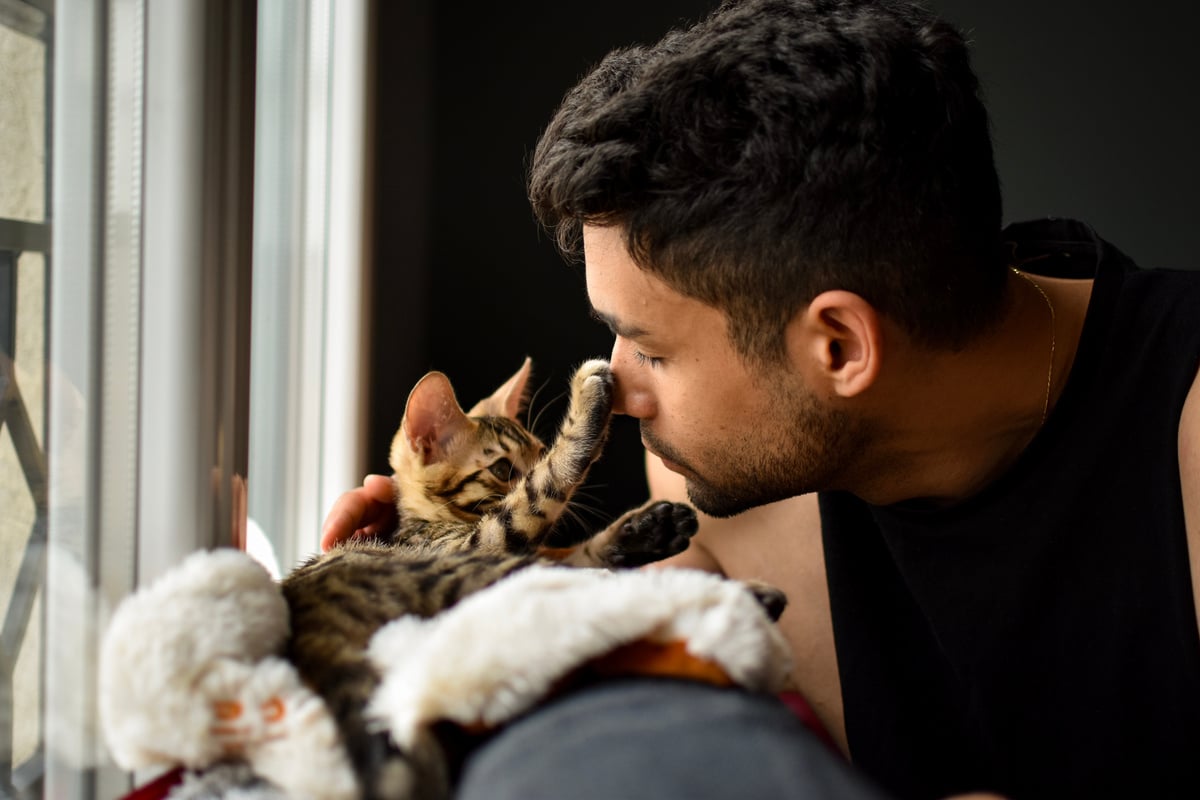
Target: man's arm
<point>666,485</point>
<point>1189,479</point>
<point>779,543</point>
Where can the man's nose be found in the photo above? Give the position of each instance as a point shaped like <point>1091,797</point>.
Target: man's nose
<point>618,405</point>
<point>629,396</point>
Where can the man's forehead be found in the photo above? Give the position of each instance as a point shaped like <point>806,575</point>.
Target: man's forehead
<point>603,237</point>
<point>618,326</point>
<point>632,302</point>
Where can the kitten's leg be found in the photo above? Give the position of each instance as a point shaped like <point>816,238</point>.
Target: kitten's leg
<point>538,500</point>
<point>655,531</point>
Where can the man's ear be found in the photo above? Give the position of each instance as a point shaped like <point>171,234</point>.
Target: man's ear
<point>839,337</point>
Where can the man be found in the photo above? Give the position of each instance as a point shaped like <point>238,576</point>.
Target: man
<point>970,456</point>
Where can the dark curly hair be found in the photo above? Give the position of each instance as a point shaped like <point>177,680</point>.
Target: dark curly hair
<point>781,148</point>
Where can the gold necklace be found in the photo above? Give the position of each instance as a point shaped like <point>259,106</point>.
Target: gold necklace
<point>1050,371</point>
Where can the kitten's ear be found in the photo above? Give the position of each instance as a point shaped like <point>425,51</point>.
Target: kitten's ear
<point>431,418</point>
<point>509,399</point>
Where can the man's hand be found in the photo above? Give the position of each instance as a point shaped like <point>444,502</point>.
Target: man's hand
<point>368,510</point>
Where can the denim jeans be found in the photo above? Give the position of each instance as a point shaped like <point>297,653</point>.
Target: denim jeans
<point>659,740</point>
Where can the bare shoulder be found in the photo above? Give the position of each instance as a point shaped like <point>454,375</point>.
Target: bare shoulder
<point>1189,444</point>
<point>1189,478</point>
<point>780,540</point>
<point>778,543</point>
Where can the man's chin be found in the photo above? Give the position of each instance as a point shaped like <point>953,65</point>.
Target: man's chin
<point>723,503</point>
<point>714,503</point>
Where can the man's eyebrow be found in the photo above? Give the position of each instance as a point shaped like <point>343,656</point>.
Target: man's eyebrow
<point>617,327</point>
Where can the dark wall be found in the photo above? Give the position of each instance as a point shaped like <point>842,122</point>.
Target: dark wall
<point>467,283</point>
<point>1093,112</point>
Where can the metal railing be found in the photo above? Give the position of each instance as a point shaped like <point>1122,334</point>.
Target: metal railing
<point>33,19</point>
<point>19,780</point>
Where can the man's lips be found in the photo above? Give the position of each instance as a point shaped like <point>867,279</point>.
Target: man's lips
<point>668,463</point>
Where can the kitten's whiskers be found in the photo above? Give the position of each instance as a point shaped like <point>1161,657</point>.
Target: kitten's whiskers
<point>532,402</point>
<point>533,425</point>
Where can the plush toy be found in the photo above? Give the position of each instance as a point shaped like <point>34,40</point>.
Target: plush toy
<point>191,671</point>
<point>191,675</point>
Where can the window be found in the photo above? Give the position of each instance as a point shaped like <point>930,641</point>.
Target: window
<point>127,244</point>
<point>306,416</point>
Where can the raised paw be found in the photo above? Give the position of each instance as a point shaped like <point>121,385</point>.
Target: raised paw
<point>592,388</point>
<point>594,368</point>
<point>584,429</point>
<point>651,533</point>
<point>773,600</point>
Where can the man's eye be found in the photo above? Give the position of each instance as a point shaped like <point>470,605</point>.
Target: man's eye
<point>503,469</point>
<point>642,358</point>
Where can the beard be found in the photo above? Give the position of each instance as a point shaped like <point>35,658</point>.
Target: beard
<point>799,446</point>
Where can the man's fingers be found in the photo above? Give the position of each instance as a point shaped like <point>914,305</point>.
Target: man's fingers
<point>380,488</point>
<point>367,510</point>
<point>346,514</point>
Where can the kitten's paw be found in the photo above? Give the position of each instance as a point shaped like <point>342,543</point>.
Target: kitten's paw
<point>591,404</point>
<point>594,368</point>
<point>651,533</point>
<point>592,385</point>
<point>773,600</point>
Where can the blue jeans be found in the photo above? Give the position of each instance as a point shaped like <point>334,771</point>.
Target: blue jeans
<point>659,740</point>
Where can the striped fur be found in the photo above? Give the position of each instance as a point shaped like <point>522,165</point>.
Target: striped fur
<point>477,496</point>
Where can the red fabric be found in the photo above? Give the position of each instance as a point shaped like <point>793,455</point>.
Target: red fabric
<point>800,707</point>
<point>159,787</point>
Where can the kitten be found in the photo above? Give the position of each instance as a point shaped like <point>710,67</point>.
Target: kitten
<point>477,496</point>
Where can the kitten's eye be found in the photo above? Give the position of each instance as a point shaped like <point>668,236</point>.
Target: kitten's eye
<point>503,469</point>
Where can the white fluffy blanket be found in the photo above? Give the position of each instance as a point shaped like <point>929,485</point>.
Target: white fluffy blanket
<point>191,673</point>
<point>500,651</point>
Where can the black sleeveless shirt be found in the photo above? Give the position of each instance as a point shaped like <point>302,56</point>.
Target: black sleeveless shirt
<point>1040,639</point>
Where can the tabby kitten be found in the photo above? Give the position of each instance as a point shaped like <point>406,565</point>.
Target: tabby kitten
<point>477,496</point>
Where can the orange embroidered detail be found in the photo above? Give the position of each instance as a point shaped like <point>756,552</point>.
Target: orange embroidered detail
<point>274,710</point>
<point>227,709</point>
<point>666,659</point>
<point>643,657</point>
<point>225,730</point>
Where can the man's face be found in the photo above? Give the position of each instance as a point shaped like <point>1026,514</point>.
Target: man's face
<point>741,435</point>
